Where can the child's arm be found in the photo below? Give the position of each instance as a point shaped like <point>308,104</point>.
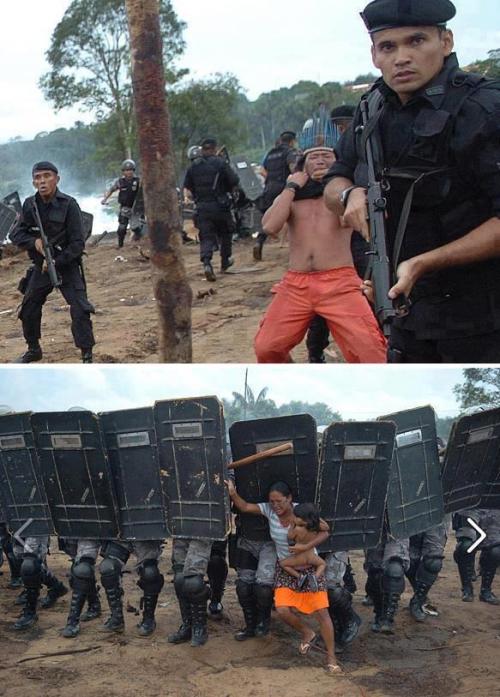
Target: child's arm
<point>315,541</point>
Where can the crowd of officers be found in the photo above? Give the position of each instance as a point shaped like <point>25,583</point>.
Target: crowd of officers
<point>200,569</point>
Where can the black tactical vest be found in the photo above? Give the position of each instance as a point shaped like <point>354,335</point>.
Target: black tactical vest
<point>432,200</point>
<point>278,171</point>
<point>209,186</point>
<point>128,191</point>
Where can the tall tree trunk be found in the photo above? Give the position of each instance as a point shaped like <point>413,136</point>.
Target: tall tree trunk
<point>172,290</point>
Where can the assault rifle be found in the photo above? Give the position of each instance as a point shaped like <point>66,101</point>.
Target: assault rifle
<point>49,258</point>
<point>380,266</point>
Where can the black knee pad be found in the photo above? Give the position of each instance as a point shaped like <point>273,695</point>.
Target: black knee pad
<point>339,597</point>
<point>31,571</point>
<point>150,579</point>
<point>432,565</point>
<point>244,591</point>
<point>83,575</point>
<point>195,589</point>
<point>179,584</point>
<point>264,595</point>
<point>111,570</point>
<point>393,580</point>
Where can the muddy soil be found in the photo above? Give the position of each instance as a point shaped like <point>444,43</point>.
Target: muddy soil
<point>453,655</point>
<point>226,314</point>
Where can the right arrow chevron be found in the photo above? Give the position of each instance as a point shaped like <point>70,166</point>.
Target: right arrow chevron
<point>482,535</point>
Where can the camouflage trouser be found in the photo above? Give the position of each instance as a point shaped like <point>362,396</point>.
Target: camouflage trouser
<point>39,546</point>
<point>488,520</point>
<point>78,549</point>
<point>336,565</point>
<point>192,556</point>
<point>379,556</point>
<point>264,570</point>
<point>430,543</point>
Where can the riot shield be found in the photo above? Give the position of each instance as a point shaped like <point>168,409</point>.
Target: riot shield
<point>415,498</point>
<point>191,440</point>
<point>298,468</point>
<point>13,201</point>
<point>8,219</point>
<point>130,439</point>
<point>76,475</point>
<point>23,495</point>
<point>249,181</point>
<point>354,473</point>
<point>470,470</point>
<point>88,224</point>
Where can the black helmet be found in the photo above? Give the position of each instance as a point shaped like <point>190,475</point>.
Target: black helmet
<point>128,164</point>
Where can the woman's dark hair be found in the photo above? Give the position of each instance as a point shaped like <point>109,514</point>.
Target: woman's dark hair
<point>309,513</point>
<point>281,488</point>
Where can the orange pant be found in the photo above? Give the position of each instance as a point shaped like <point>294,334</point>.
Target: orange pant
<point>336,296</point>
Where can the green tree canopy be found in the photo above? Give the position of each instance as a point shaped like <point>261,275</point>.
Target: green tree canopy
<point>90,60</point>
<point>205,107</point>
<point>489,67</point>
<point>481,386</point>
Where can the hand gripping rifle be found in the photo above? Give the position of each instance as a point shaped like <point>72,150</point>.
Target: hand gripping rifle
<point>380,266</point>
<point>49,257</point>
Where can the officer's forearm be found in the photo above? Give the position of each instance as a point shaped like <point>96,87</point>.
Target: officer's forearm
<point>479,245</point>
<point>279,213</point>
<point>333,192</point>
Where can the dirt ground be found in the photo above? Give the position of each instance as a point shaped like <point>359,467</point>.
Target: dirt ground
<point>119,285</point>
<point>454,655</point>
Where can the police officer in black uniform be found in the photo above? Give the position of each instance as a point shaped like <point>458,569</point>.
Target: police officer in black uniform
<point>128,186</point>
<point>279,163</point>
<point>211,181</point>
<point>62,221</point>
<point>436,135</point>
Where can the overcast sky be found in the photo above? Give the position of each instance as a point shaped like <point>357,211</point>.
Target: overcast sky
<point>357,392</point>
<point>267,45</point>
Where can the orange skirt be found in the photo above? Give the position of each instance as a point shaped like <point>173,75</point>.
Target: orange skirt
<point>307,603</point>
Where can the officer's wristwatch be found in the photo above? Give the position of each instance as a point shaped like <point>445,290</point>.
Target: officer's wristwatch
<point>292,186</point>
<point>344,196</point>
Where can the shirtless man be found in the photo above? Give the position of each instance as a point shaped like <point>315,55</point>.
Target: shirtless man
<point>322,279</point>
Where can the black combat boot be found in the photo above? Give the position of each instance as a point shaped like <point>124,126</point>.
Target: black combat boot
<point>373,590</point>
<point>246,598</point>
<point>349,580</point>
<point>87,356</point>
<point>115,622</point>
<point>345,621</point>
<point>32,355</point>
<point>389,608</point>
<point>466,567</point>
<point>28,616</point>
<point>183,634</point>
<point>226,264</point>
<point>209,272</point>
<point>56,590</point>
<point>418,601</point>
<point>21,598</point>
<point>199,632</point>
<point>264,596</point>
<point>93,610</point>
<point>487,577</point>
<point>148,624</point>
<point>72,628</point>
